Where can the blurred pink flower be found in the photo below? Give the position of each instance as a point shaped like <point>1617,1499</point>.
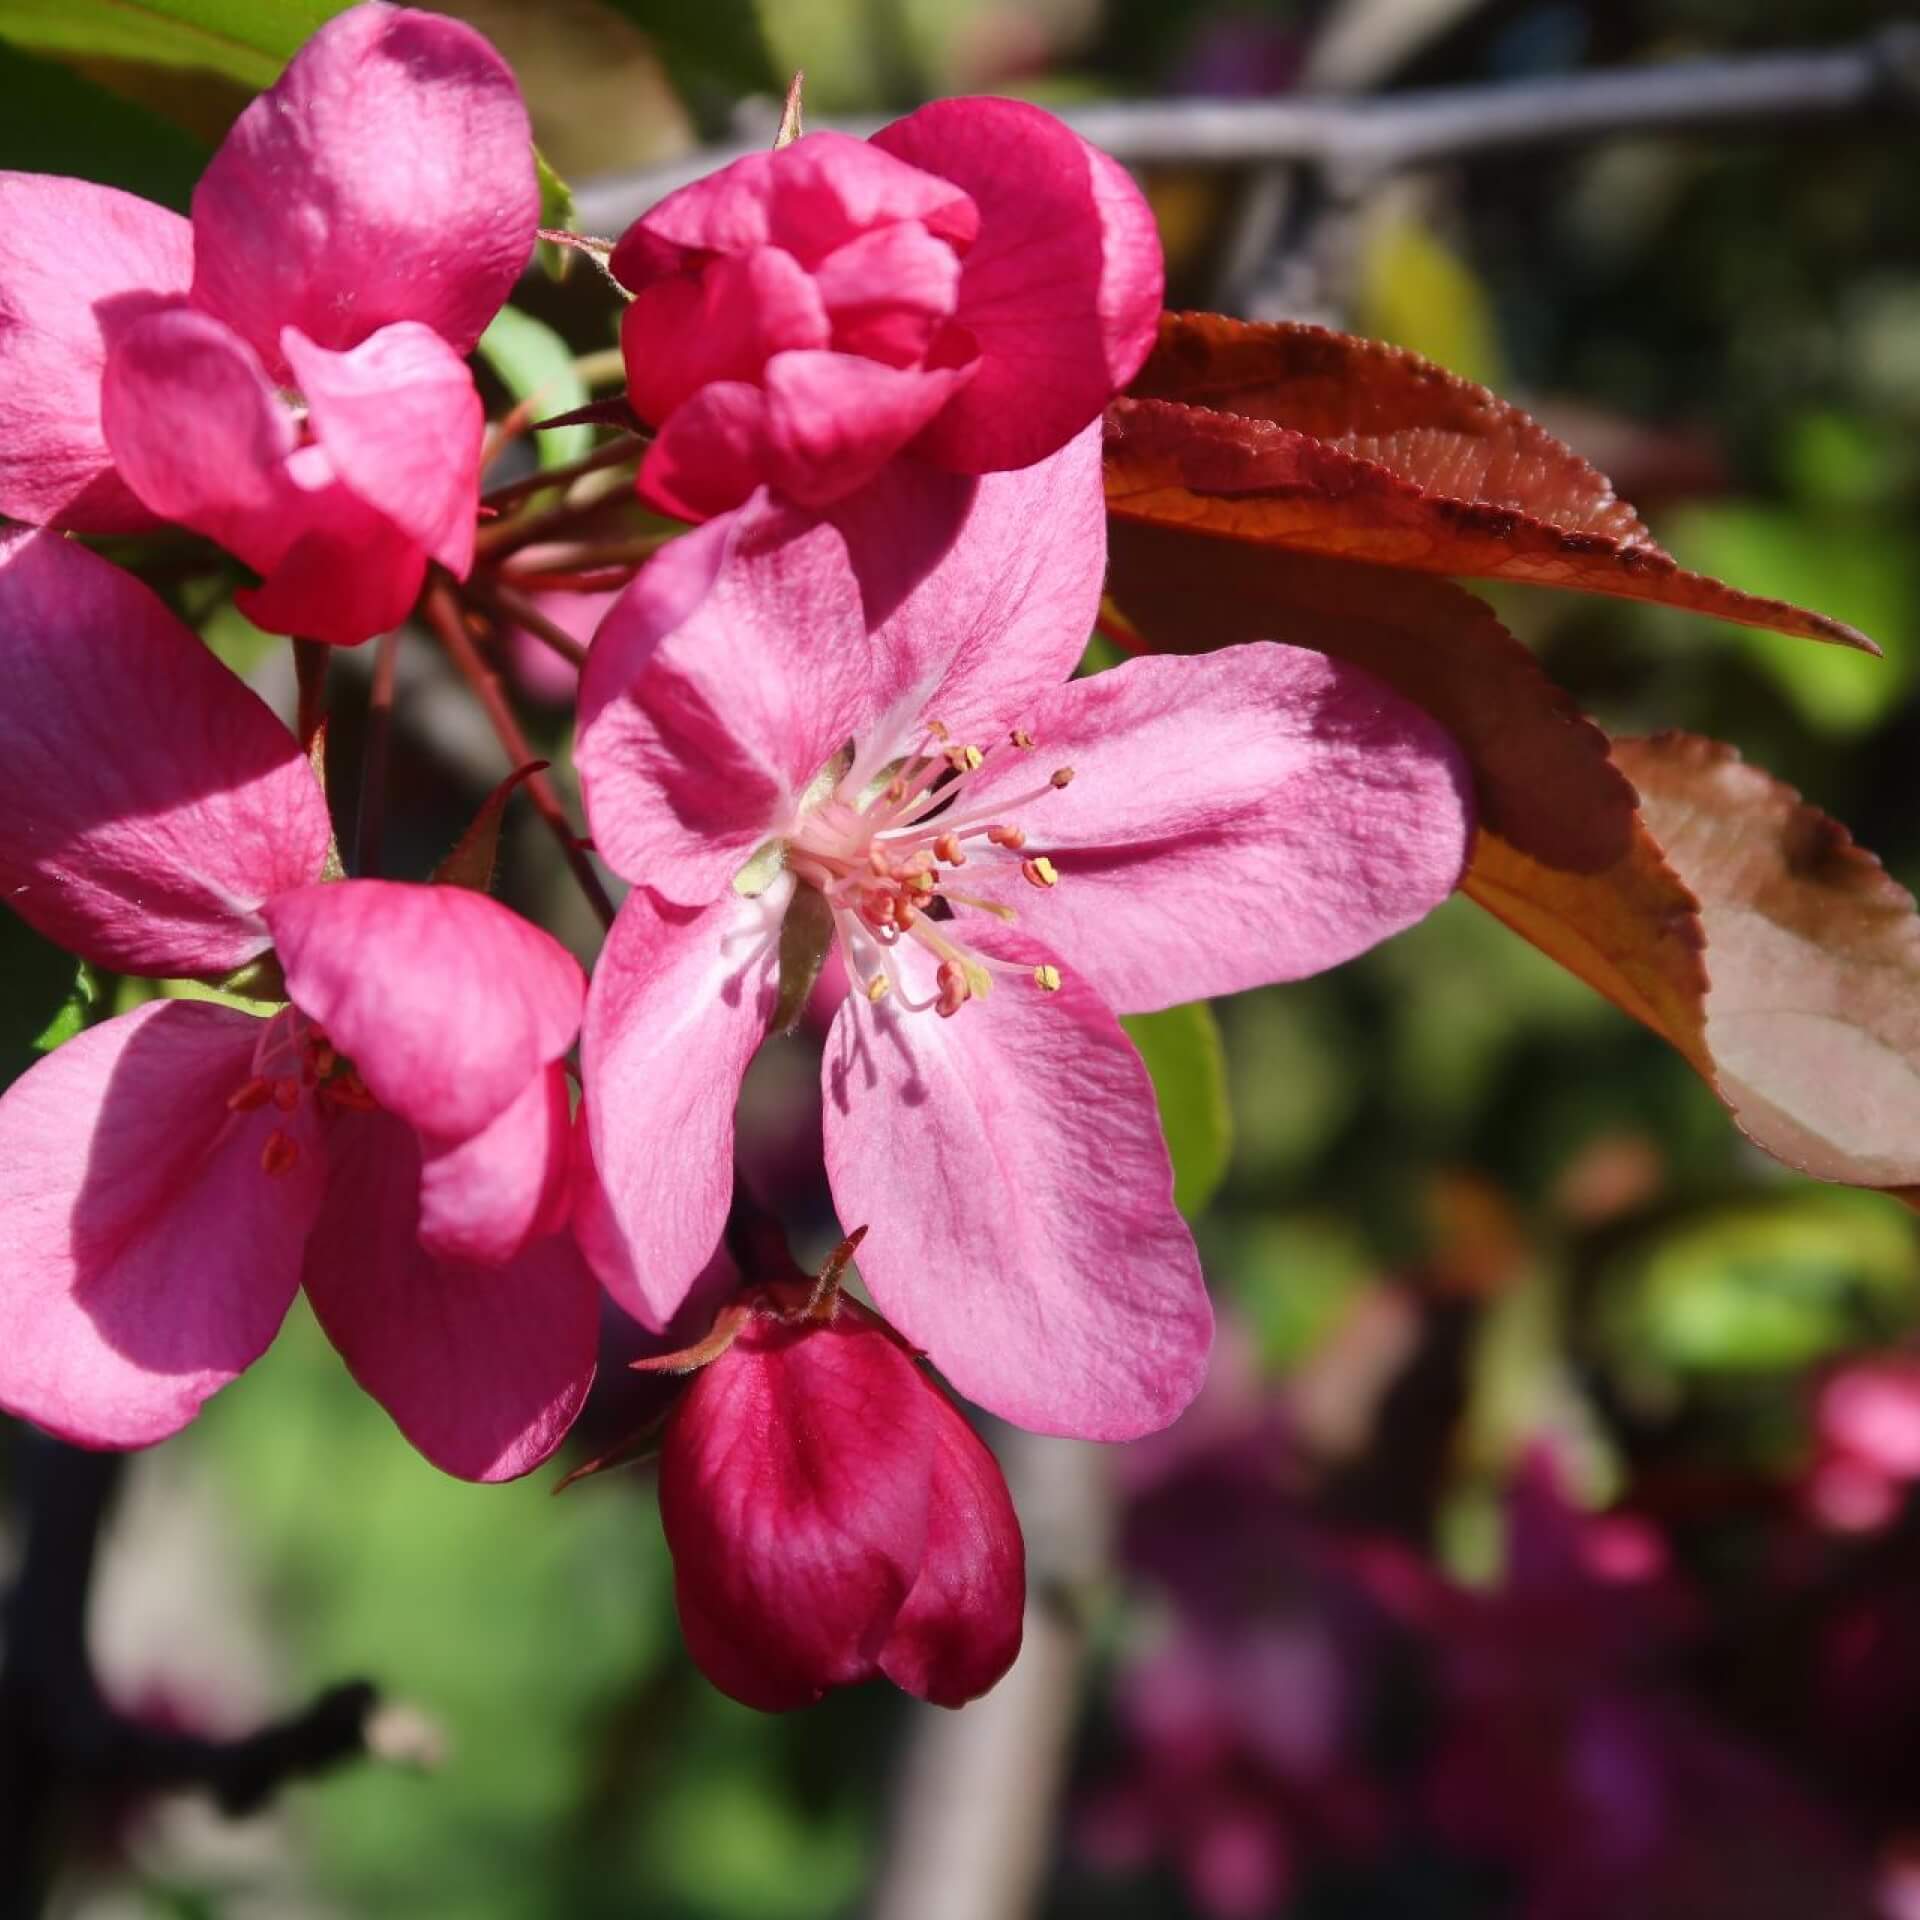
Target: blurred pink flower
<point>397,1139</point>
<point>972,285</point>
<point>774,721</point>
<point>1866,1422</point>
<point>284,373</point>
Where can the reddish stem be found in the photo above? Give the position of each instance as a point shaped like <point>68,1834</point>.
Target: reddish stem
<point>311,659</point>
<point>371,826</point>
<point>507,606</point>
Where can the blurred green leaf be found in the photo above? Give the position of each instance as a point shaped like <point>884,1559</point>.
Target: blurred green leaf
<point>1417,292</point>
<point>56,122</point>
<point>1189,1067</point>
<point>1290,1277</point>
<point>248,40</point>
<point>714,46</point>
<point>45,996</point>
<point>1764,1287</point>
<point>556,210</point>
<point>537,367</point>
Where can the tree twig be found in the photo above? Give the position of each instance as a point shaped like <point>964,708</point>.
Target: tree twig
<point>376,748</point>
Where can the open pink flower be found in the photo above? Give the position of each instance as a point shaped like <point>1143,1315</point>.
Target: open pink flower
<point>972,284</point>
<point>397,1138</point>
<point>832,1516</point>
<point>285,373</point>
<point>775,723</point>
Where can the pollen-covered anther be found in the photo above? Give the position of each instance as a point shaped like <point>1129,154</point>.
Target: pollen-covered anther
<point>1012,838</point>
<point>1047,978</point>
<point>954,990</point>
<point>947,848</point>
<point>286,1095</point>
<point>878,988</point>
<point>279,1152</point>
<point>1021,738</point>
<point>1062,777</point>
<point>1039,871</point>
<point>248,1098</point>
<point>965,759</point>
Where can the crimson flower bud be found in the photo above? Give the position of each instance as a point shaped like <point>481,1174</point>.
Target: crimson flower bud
<point>832,1516</point>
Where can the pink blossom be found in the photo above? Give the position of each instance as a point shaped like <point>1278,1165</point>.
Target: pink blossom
<point>971,285</point>
<point>397,1138</point>
<point>832,1516</point>
<point>780,716</point>
<point>285,372</point>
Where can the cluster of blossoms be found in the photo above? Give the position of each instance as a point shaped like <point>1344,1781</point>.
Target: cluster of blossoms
<point>833,740</point>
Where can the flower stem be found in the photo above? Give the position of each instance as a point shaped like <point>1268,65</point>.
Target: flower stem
<point>508,606</point>
<point>445,614</point>
<point>311,659</point>
<point>370,828</point>
<point>612,453</point>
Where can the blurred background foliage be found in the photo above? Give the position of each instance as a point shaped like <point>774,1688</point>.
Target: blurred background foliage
<point>1455,1205</point>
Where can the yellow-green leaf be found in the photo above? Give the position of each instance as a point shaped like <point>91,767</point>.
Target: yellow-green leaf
<point>1189,1067</point>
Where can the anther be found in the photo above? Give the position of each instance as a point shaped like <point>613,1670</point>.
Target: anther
<point>286,1095</point>
<point>1021,738</point>
<point>947,848</point>
<point>878,988</point>
<point>1062,777</point>
<point>1047,978</point>
<point>1012,838</point>
<point>954,991</point>
<point>937,728</point>
<point>965,759</point>
<point>1039,871</point>
<point>279,1152</point>
<point>256,1093</point>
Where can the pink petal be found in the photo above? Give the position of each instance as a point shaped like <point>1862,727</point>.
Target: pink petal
<point>960,1628</point>
<point>795,1488</point>
<point>730,672</point>
<point>447,1002</point>
<point>974,618</point>
<point>387,175</point>
<point>347,573</point>
<point>483,1368</point>
<point>808,198</point>
<point>401,422</point>
<point>148,1257</point>
<point>888,292</point>
<point>1235,818</point>
<point>149,803</point>
<point>710,455</point>
<point>681,998</point>
<point>1061,291</point>
<point>1008,1166</point>
<point>61,305</point>
<point>680,333</point>
<point>486,1197</point>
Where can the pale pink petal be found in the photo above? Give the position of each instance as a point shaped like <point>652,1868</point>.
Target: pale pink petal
<point>680,333</point>
<point>973,626</point>
<point>835,419</point>
<point>200,435</point>
<point>78,265</point>
<point>484,1198</point>
<point>1008,1167</point>
<point>1235,818</point>
<point>1061,291</point>
<point>147,1256</point>
<point>725,678</point>
<point>809,198</point>
<point>681,998</point>
<point>347,573</point>
<point>483,1368</point>
<point>888,292</point>
<point>387,175</point>
<point>401,422</point>
<point>446,1001</point>
<point>150,804</point>
<point>711,453</point>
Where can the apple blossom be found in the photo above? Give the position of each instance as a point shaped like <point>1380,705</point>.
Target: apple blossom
<point>971,285</point>
<point>285,372</point>
<point>779,732</point>
<point>396,1138</point>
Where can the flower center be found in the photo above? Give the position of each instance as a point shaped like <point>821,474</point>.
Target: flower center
<point>295,1061</point>
<point>886,854</point>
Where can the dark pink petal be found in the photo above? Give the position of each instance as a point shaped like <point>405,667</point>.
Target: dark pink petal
<point>795,1487</point>
<point>447,1002</point>
<point>960,1627</point>
<point>1235,818</point>
<point>78,265</point>
<point>148,1257</point>
<point>731,671</point>
<point>710,455</point>
<point>680,333</point>
<point>681,998</point>
<point>1008,1166</point>
<point>1062,290</point>
<point>484,1198</point>
<point>888,292</point>
<point>401,423</point>
<point>149,803</point>
<point>970,629</point>
<point>808,198</point>
<point>483,1367</point>
<point>387,175</point>
<point>347,574</point>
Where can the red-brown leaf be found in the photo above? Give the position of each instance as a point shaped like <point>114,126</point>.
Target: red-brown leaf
<point>1323,443</point>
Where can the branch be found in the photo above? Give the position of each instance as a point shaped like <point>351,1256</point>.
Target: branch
<point>1365,138</point>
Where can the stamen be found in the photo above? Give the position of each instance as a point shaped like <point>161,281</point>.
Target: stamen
<point>1047,978</point>
<point>954,989</point>
<point>1039,872</point>
<point>965,759</point>
<point>878,988</point>
<point>280,1152</point>
<point>286,1095</point>
<point>1012,838</point>
<point>1022,739</point>
<point>1062,777</point>
<point>256,1093</point>
<point>947,848</point>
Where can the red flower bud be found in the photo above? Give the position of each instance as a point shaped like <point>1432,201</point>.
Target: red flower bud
<point>832,1516</point>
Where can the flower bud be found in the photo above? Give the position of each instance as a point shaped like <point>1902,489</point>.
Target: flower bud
<point>832,1516</point>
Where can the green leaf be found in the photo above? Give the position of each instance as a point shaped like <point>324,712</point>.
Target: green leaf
<point>247,40</point>
<point>45,996</point>
<point>716,47</point>
<point>56,122</point>
<point>806,938</point>
<point>1189,1067</point>
<point>556,211</point>
<point>536,366</point>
